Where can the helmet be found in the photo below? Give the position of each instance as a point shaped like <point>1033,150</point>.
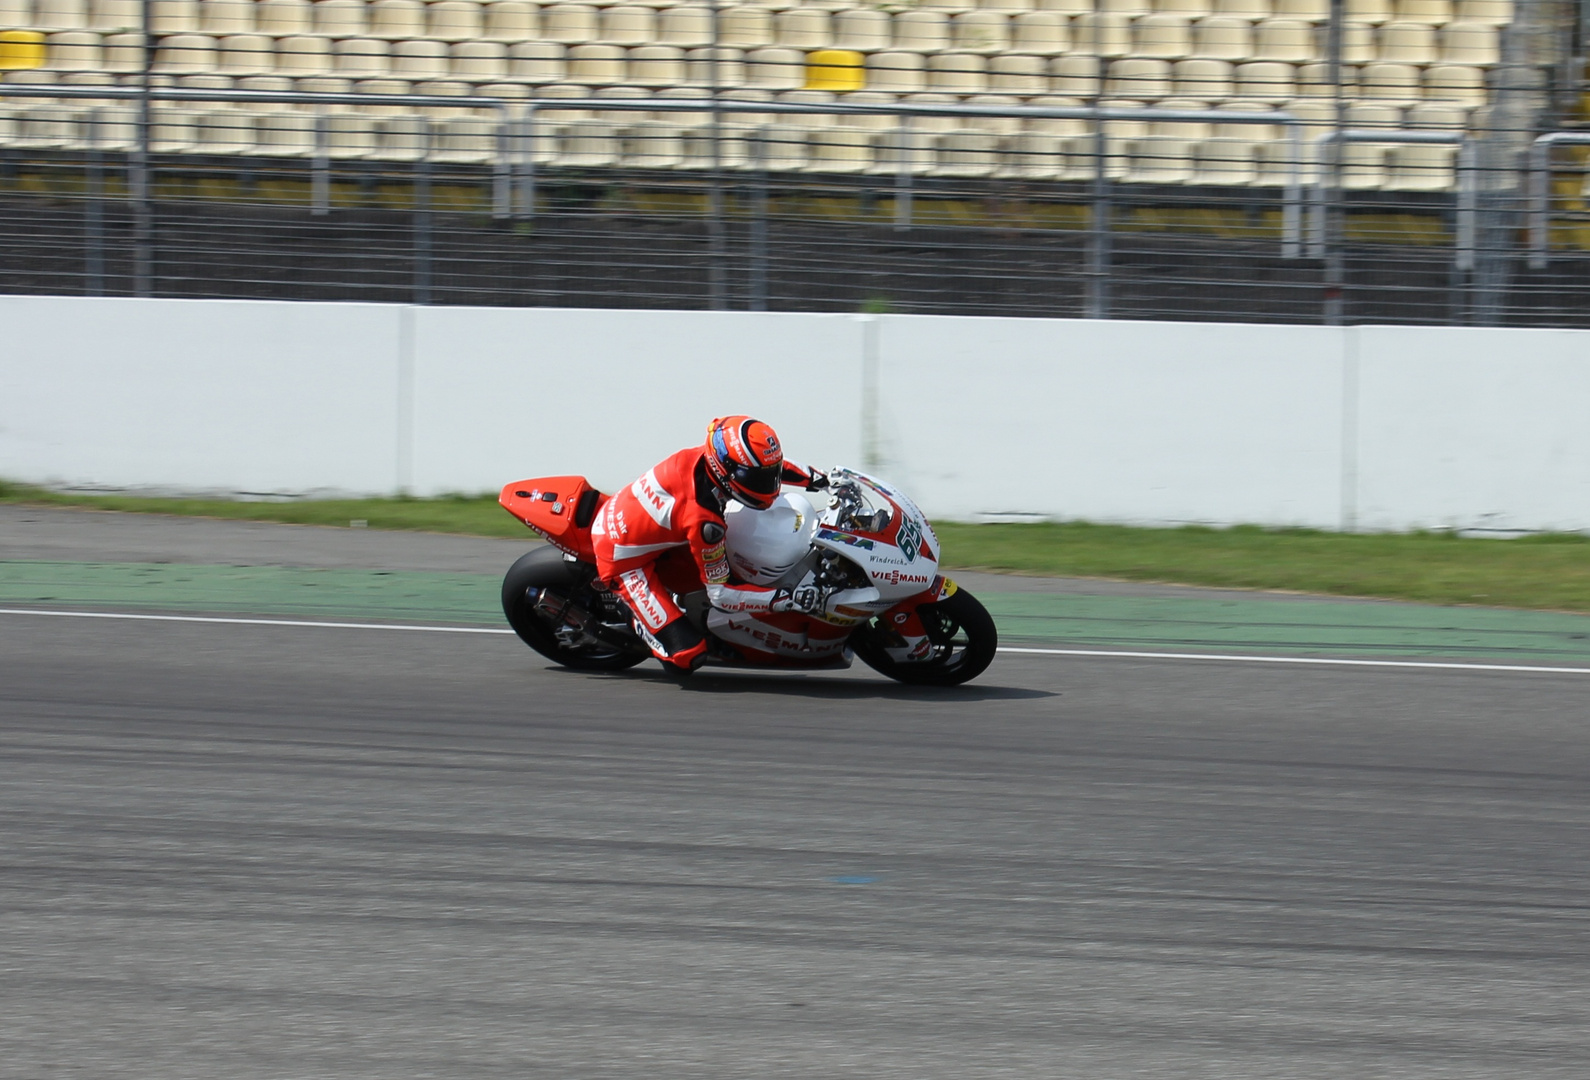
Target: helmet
<point>745,460</point>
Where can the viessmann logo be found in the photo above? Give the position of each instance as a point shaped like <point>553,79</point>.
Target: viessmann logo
<point>895,577</point>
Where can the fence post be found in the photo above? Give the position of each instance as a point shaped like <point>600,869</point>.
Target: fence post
<point>143,212</point>
<point>1098,297</point>
<point>759,223</point>
<point>502,168</point>
<point>527,159</point>
<point>320,168</point>
<point>903,175</point>
<point>1292,206</point>
<point>1539,204</point>
<point>1467,206</point>
<point>422,218</point>
<point>94,212</point>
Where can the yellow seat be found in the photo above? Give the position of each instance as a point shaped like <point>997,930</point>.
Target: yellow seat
<point>21,49</point>
<point>837,70</point>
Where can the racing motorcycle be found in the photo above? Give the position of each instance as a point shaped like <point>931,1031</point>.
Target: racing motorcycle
<point>870,547</point>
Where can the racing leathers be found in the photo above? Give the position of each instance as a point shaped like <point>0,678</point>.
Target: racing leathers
<point>675,506</point>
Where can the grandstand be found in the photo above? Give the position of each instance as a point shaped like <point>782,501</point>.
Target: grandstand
<point>601,94</point>
<point>1418,64</point>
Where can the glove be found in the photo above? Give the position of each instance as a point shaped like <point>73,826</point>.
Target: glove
<point>806,597</point>
<point>817,481</point>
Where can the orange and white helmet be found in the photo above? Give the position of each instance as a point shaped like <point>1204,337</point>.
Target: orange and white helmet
<point>745,459</point>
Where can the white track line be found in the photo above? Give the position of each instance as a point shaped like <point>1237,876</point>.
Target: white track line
<point>1241,659</point>
<point>255,622</point>
<point>1229,658</point>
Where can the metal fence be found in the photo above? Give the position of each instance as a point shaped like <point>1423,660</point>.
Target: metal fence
<point>1093,210</point>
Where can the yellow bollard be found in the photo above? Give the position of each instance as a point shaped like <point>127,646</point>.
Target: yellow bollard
<point>837,70</point>
<point>21,49</point>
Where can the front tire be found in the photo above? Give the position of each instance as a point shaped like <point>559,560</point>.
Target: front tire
<point>546,568</point>
<point>964,643</point>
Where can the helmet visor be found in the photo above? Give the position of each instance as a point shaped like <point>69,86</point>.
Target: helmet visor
<point>762,481</point>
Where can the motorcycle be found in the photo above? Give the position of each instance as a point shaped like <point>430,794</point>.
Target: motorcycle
<point>870,549</point>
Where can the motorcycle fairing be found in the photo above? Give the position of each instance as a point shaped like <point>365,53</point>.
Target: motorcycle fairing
<point>560,508</point>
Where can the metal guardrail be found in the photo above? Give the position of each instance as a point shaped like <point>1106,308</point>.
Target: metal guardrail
<point>1540,191</point>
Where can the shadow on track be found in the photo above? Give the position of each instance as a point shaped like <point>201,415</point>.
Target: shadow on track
<point>815,685</point>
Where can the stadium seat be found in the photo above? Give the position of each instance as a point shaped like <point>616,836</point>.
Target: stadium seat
<point>1265,82</point>
<point>223,131</point>
<point>222,17</point>
<point>1225,162</point>
<point>747,26</point>
<point>1431,12</point>
<point>339,18</point>
<point>921,31</point>
<point>302,55</point>
<point>837,70</point>
<point>1287,40</point>
<point>1358,43</point>
<point>362,58</point>
<point>1104,34</point>
<point>1462,85</point>
<point>511,21</point>
<point>1370,11</point>
<point>657,65</point>
<point>597,64</point>
<point>957,73</point>
<point>1222,37</point>
<point>985,32</point>
<point>802,28</point>
<point>1390,83</point>
<point>113,15</point>
<point>246,54</point>
<point>1313,11</point>
<point>74,50</point>
<point>454,20</point>
<point>49,16</point>
<point>897,72</point>
<point>1012,73</point>
<point>174,16</point>
<point>569,24</point>
<point>688,26</point>
<point>396,20</point>
<point>45,125</point>
<point>1489,12</point>
<point>862,29</point>
<point>479,61</point>
<point>1040,33</point>
<point>1473,44</point>
<point>1251,10</point>
<point>269,84</point>
<point>172,130</point>
<point>1126,9</point>
<point>876,122</point>
<point>421,58</point>
<point>775,69</point>
<point>1190,10</point>
<point>537,62</point>
<point>1162,37</point>
<point>1407,43</point>
<point>1364,163</point>
<point>1314,80</point>
<point>730,71</point>
<point>185,54</point>
<point>1420,167</point>
<point>1074,76</point>
<point>807,97</point>
<point>280,18</point>
<point>1436,116</point>
<point>1139,79</point>
<point>1206,80</point>
<point>627,25</point>
<point>1158,159</point>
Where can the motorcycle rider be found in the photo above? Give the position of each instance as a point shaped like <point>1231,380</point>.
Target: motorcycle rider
<point>680,502</point>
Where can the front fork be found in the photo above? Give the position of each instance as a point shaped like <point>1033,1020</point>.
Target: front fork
<point>907,638</point>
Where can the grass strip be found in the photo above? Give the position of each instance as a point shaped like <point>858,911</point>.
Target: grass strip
<point>1547,571</point>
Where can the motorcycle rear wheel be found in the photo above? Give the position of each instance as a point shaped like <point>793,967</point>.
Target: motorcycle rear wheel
<point>964,638</point>
<point>545,568</point>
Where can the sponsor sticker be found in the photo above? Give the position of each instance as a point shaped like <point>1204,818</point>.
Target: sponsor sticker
<point>948,589</point>
<point>716,563</point>
<point>909,540</point>
<point>844,538</point>
<point>897,577</point>
<point>654,498</point>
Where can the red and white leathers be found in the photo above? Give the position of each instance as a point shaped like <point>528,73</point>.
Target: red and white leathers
<point>673,508</point>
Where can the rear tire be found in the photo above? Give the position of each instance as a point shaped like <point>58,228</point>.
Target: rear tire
<point>962,632</point>
<point>546,568</point>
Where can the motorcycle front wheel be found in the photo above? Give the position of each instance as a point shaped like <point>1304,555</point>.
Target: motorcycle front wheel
<point>964,643</point>
<point>545,568</point>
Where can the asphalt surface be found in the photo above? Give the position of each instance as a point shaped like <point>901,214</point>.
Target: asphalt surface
<point>251,851</point>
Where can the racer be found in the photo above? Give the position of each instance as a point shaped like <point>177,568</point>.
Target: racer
<point>680,503</point>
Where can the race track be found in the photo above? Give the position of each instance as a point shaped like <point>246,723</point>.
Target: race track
<point>246,851</point>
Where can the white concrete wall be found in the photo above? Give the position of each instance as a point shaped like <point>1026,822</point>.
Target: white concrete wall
<point>1379,428</point>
